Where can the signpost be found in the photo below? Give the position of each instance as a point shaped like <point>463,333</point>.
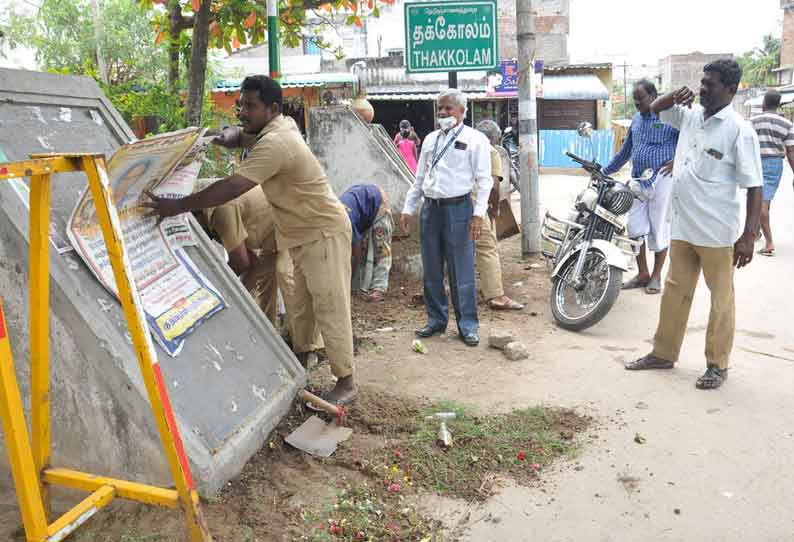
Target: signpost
<point>451,36</point>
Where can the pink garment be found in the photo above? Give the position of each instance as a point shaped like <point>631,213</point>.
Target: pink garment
<point>408,150</point>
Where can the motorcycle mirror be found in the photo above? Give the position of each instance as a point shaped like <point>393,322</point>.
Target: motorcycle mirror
<point>585,129</point>
<point>647,175</point>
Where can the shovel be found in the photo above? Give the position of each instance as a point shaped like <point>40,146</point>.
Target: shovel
<point>315,436</point>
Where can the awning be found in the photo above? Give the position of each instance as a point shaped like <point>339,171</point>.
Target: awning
<point>583,86</point>
<point>422,96</point>
<point>296,81</point>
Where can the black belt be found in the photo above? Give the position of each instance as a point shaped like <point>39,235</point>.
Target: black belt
<point>448,201</point>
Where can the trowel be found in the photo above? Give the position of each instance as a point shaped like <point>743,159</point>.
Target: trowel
<point>315,436</point>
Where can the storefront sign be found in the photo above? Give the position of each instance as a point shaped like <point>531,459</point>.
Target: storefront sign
<point>451,36</point>
<point>505,81</point>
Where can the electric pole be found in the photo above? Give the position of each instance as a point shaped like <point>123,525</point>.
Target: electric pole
<point>273,36</point>
<point>529,183</point>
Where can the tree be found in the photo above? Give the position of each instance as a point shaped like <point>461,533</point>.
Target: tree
<point>63,34</point>
<point>758,64</point>
<point>229,24</point>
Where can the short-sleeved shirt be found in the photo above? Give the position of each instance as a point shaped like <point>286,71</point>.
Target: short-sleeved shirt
<point>496,163</point>
<point>246,219</point>
<point>775,133</point>
<point>304,207</point>
<point>362,202</point>
<point>714,158</point>
<point>649,145</point>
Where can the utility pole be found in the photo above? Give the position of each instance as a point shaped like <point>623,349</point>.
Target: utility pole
<point>529,183</point>
<point>273,44</point>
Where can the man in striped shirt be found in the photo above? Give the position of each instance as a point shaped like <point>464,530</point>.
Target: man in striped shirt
<point>650,144</point>
<point>776,136</point>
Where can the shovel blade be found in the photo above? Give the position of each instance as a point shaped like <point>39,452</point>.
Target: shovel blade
<point>318,438</point>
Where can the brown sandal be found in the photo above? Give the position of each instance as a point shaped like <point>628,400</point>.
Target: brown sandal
<point>510,305</point>
<point>648,362</point>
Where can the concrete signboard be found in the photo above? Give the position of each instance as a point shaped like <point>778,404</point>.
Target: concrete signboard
<point>451,36</point>
<point>231,384</point>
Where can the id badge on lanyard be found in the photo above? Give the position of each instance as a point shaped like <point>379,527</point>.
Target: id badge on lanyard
<point>432,176</point>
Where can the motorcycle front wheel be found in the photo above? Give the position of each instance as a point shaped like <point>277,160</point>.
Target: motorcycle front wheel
<point>577,308</point>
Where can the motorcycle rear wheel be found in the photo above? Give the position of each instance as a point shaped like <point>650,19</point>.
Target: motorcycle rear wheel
<point>595,300</point>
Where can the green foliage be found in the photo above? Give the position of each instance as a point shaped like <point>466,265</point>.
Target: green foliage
<point>622,109</point>
<point>63,34</point>
<point>758,64</point>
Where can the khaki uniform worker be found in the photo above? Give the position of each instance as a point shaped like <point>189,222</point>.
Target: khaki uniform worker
<point>246,230</point>
<point>488,261</point>
<point>310,221</point>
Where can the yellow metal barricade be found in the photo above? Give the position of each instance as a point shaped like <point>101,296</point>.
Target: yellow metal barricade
<point>29,456</point>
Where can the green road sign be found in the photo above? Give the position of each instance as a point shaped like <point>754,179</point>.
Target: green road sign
<point>451,36</point>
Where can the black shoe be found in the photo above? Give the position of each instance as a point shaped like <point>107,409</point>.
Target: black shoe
<point>428,331</point>
<point>472,339</point>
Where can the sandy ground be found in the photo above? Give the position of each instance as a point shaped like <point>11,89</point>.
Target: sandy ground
<point>713,464</point>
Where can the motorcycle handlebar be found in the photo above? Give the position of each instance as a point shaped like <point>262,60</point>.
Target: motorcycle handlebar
<point>578,160</point>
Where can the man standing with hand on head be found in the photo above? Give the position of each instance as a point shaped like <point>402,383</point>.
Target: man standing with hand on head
<point>455,160</point>
<point>717,153</point>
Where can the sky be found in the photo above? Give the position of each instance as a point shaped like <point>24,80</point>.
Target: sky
<point>635,31</point>
<point>642,32</point>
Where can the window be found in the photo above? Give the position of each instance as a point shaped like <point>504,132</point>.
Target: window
<point>310,47</point>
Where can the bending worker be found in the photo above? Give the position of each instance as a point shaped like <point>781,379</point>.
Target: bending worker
<point>370,215</point>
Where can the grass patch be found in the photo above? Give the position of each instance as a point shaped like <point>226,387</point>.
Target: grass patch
<point>517,445</point>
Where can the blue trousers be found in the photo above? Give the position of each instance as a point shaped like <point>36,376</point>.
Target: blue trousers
<point>446,243</point>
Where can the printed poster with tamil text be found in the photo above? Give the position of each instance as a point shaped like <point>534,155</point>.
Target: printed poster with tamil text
<point>176,297</point>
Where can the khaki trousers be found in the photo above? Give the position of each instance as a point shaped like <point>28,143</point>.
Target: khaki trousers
<point>322,297</point>
<point>260,281</point>
<point>686,262</point>
<point>305,338</point>
<point>488,262</point>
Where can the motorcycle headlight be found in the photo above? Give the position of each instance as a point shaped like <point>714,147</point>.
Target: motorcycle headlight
<point>587,200</point>
<point>618,200</point>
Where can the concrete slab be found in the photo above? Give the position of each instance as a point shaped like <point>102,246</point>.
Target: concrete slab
<point>353,152</point>
<point>231,384</point>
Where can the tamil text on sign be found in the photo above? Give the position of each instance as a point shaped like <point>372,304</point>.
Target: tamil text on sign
<point>451,36</point>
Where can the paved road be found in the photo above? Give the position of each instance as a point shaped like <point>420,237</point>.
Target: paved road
<point>722,458</point>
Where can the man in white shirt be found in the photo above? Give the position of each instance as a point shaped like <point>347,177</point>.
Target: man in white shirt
<point>455,161</point>
<point>717,154</point>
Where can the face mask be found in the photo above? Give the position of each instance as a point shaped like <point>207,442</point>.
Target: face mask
<point>447,123</point>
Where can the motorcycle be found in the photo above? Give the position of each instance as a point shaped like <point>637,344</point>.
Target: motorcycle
<point>589,251</point>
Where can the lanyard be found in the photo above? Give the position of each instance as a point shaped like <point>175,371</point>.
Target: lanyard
<point>437,159</point>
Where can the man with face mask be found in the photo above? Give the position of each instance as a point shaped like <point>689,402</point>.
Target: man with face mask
<point>718,153</point>
<point>310,221</point>
<point>455,160</point>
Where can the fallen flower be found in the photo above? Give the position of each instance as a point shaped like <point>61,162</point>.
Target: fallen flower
<point>522,456</point>
<point>536,466</point>
<point>394,488</point>
<point>334,528</point>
